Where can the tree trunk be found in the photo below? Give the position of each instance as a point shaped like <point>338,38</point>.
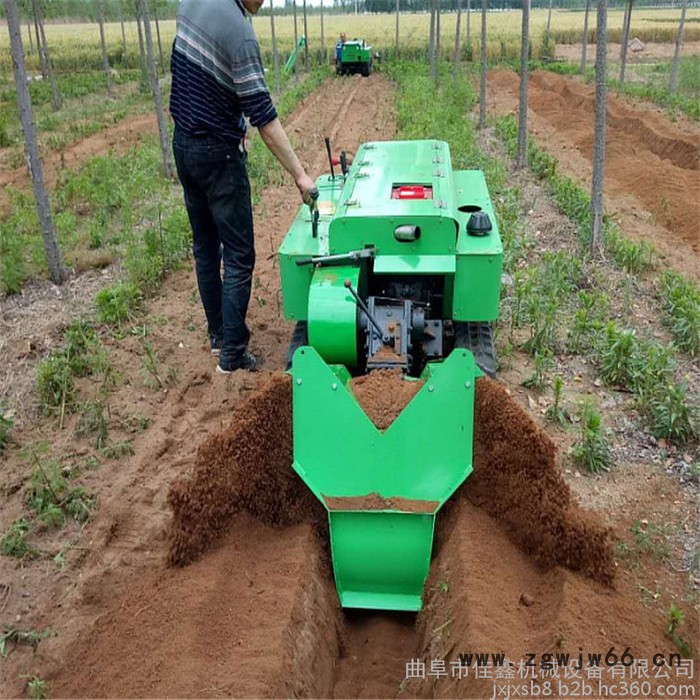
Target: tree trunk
<point>625,40</point>
<point>142,51</point>
<point>323,38</point>
<point>673,82</point>
<point>40,51</point>
<point>275,54</point>
<point>549,16</point>
<point>521,161</point>
<point>306,39</point>
<point>296,37</point>
<point>455,60</point>
<point>437,31</point>
<point>160,45</point>
<point>103,42</point>
<point>31,146</point>
<point>599,140</point>
<point>397,28</point>
<point>121,21</point>
<point>29,34</point>
<point>585,37</point>
<point>56,100</point>
<point>482,84</point>
<point>431,43</point>
<point>168,168</point>
<point>469,22</point>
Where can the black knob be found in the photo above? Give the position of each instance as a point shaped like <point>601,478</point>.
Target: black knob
<point>479,224</point>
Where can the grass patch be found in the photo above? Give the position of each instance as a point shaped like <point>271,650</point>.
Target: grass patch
<point>14,542</point>
<point>118,303</point>
<point>81,354</point>
<point>592,451</point>
<point>53,499</point>
<point>646,368</point>
<point>680,299</point>
<point>6,425</point>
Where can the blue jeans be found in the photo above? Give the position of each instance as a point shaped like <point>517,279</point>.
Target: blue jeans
<point>217,196</point>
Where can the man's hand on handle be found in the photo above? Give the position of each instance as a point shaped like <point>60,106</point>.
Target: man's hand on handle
<point>307,188</point>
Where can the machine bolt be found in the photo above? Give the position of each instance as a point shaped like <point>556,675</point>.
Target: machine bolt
<point>468,385</point>
<point>431,388</point>
<point>299,381</point>
<point>334,386</point>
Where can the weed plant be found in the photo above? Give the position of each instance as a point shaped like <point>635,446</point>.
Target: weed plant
<point>680,299</point>
<point>592,451</point>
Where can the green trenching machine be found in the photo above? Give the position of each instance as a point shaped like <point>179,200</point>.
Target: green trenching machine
<point>354,57</point>
<point>397,265</point>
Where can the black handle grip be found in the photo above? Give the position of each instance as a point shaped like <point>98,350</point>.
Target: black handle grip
<point>304,261</point>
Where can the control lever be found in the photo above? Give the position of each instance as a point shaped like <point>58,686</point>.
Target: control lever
<point>344,163</point>
<point>330,157</point>
<point>386,339</point>
<point>324,260</point>
<point>313,207</point>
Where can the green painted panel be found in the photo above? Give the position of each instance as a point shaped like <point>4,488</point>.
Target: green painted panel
<point>415,264</point>
<point>333,314</point>
<point>381,559</point>
<point>477,282</point>
<point>477,288</point>
<point>355,52</point>
<point>425,454</point>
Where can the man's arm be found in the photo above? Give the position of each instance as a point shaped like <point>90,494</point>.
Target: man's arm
<point>276,140</point>
<point>252,92</point>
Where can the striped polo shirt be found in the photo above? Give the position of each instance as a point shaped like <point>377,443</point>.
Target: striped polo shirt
<point>217,72</point>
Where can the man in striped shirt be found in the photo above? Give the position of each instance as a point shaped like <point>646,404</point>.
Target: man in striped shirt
<point>218,80</point>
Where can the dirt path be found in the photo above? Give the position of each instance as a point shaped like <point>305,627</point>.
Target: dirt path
<point>118,138</point>
<point>651,170</point>
<point>125,542</point>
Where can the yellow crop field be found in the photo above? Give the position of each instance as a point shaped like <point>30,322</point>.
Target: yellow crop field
<point>76,46</point>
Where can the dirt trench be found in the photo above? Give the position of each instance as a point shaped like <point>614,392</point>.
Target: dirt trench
<point>651,164</point>
<point>249,607</point>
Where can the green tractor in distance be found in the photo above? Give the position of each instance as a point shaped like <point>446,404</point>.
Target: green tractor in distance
<point>353,57</point>
<point>396,266</point>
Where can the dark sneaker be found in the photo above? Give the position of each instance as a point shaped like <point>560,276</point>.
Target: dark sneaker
<point>249,363</point>
<point>215,344</point>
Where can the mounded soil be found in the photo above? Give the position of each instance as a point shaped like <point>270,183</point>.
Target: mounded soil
<point>383,394</point>
<point>652,181</point>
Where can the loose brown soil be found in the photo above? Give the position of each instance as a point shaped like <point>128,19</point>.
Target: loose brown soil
<point>383,394</point>
<point>651,169</point>
<point>486,595</point>
<point>374,501</point>
<point>247,467</point>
